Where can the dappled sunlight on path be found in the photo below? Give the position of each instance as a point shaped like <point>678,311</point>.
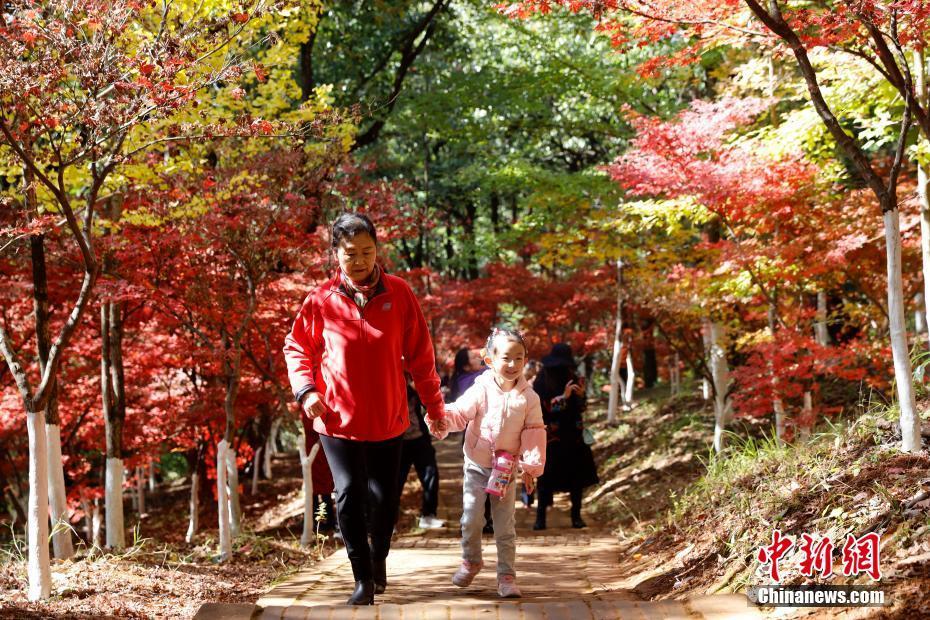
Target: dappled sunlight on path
<point>564,574</point>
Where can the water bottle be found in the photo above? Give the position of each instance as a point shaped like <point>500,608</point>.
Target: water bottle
<point>501,473</point>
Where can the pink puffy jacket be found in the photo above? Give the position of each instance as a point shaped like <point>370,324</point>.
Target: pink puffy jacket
<point>494,419</point>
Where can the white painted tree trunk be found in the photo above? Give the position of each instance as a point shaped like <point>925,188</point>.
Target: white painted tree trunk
<point>706,390</point>
<point>910,423</point>
<point>152,483</point>
<point>38,567</point>
<point>58,499</point>
<point>721,375</point>
<point>920,318</point>
<point>232,480</point>
<point>92,521</point>
<point>273,436</point>
<point>821,335</point>
<point>269,448</point>
<point>222,502</point>
<point>630,380</point>
<point>140,490</point>
<point>113,494</point>
<point>615,381</point>
<point>923,191</point>
<point>256,462</point>
<point>306,467</point>
<point>193,520</point>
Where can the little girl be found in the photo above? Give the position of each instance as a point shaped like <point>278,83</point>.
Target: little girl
<point>499,412</point>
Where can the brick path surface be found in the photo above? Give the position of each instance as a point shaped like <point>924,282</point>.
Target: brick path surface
<point>565,574</point>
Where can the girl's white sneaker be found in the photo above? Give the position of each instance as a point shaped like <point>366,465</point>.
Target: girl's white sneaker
<point>507,587</point>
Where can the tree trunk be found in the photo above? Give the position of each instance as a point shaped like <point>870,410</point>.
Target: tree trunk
<point>232,480</point>
<point>194,512</point>
<point>630,376</point>
<point>706,389</point>
<point>61,518</point>
<point>923,185</point>
<point>721,375</point>
<point>152,483</point>
<point>778,407</point>
<point>140,490</point>
<point>821,335</point>
<point>114,411</point>
<point>910,423</point>
<point>674,374</point>
<point>222,502</point>
<point>306,466</point>
<point>256,463</point>
<point>269,448</point>
<point>62,544</point>
<point>40,574</point>
<point>615,381</point>
<point>116,537</point>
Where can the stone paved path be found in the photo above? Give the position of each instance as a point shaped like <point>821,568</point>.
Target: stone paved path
<point>565,574</point>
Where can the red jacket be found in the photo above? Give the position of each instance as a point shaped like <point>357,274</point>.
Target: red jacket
<point>354,359</point>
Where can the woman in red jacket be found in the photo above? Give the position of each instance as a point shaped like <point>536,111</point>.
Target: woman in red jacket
<point>346,355</point>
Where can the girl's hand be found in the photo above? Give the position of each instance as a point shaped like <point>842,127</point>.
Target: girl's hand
<point>313,405</point>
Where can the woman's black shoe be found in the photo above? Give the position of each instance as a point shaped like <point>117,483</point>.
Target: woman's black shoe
<point>379,574</point>
<point>577,523</point>
<point>539,525</point>
<point>364,594</point>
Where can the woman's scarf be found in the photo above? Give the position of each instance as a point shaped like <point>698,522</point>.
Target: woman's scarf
<point>363,292</point>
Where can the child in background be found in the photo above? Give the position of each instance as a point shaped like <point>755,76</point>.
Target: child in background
<point>500,413</point>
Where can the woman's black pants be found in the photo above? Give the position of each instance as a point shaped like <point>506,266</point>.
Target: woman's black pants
<point>365,474</point>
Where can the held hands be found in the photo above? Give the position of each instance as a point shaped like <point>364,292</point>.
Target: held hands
<point>313,405</point>
<point>438,428</point>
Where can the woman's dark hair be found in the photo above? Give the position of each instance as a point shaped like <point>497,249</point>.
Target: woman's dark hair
<point>348,225</point>
<point>461,361</point>
<point>503,332</point>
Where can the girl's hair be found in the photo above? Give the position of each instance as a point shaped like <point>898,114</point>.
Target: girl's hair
<point>461,361</point>
<point>503,332</point>
<point>348,225</point>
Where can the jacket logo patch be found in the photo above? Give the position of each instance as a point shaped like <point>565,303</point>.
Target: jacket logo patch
<point>386,306</point>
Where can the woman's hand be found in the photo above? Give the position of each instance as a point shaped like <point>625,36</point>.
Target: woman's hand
<point>313,405</point>
<point>529,482</point>
<point>573,388</point>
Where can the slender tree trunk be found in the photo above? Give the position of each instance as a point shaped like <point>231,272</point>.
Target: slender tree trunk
<point>152,483</point>
<point>807,416</point>
<point>114,415</point>
<point>630,376</point>
<point>231,367</point>
<point>232,479</point>
<point>706,388</point>
<point>923,183</point>
<point>778,406</point>
<point>256,463</point>
<point>194,464</point>
<point>61,517</point>
<point>910,423</point>
<point>821,334</point>
<point>615,381</point>
<point>222,502</point>
<point>721,375</point>
<point>40,574</point>
<point>140,490</point>
<point>269,448</point>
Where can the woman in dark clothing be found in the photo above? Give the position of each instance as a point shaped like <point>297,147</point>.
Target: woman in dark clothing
<point>418,451</point>
<point>343,360</point>
<point>569,462</point>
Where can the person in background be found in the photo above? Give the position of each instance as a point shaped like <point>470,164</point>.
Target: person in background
<point>569,463</point>
<point>418,451</point>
